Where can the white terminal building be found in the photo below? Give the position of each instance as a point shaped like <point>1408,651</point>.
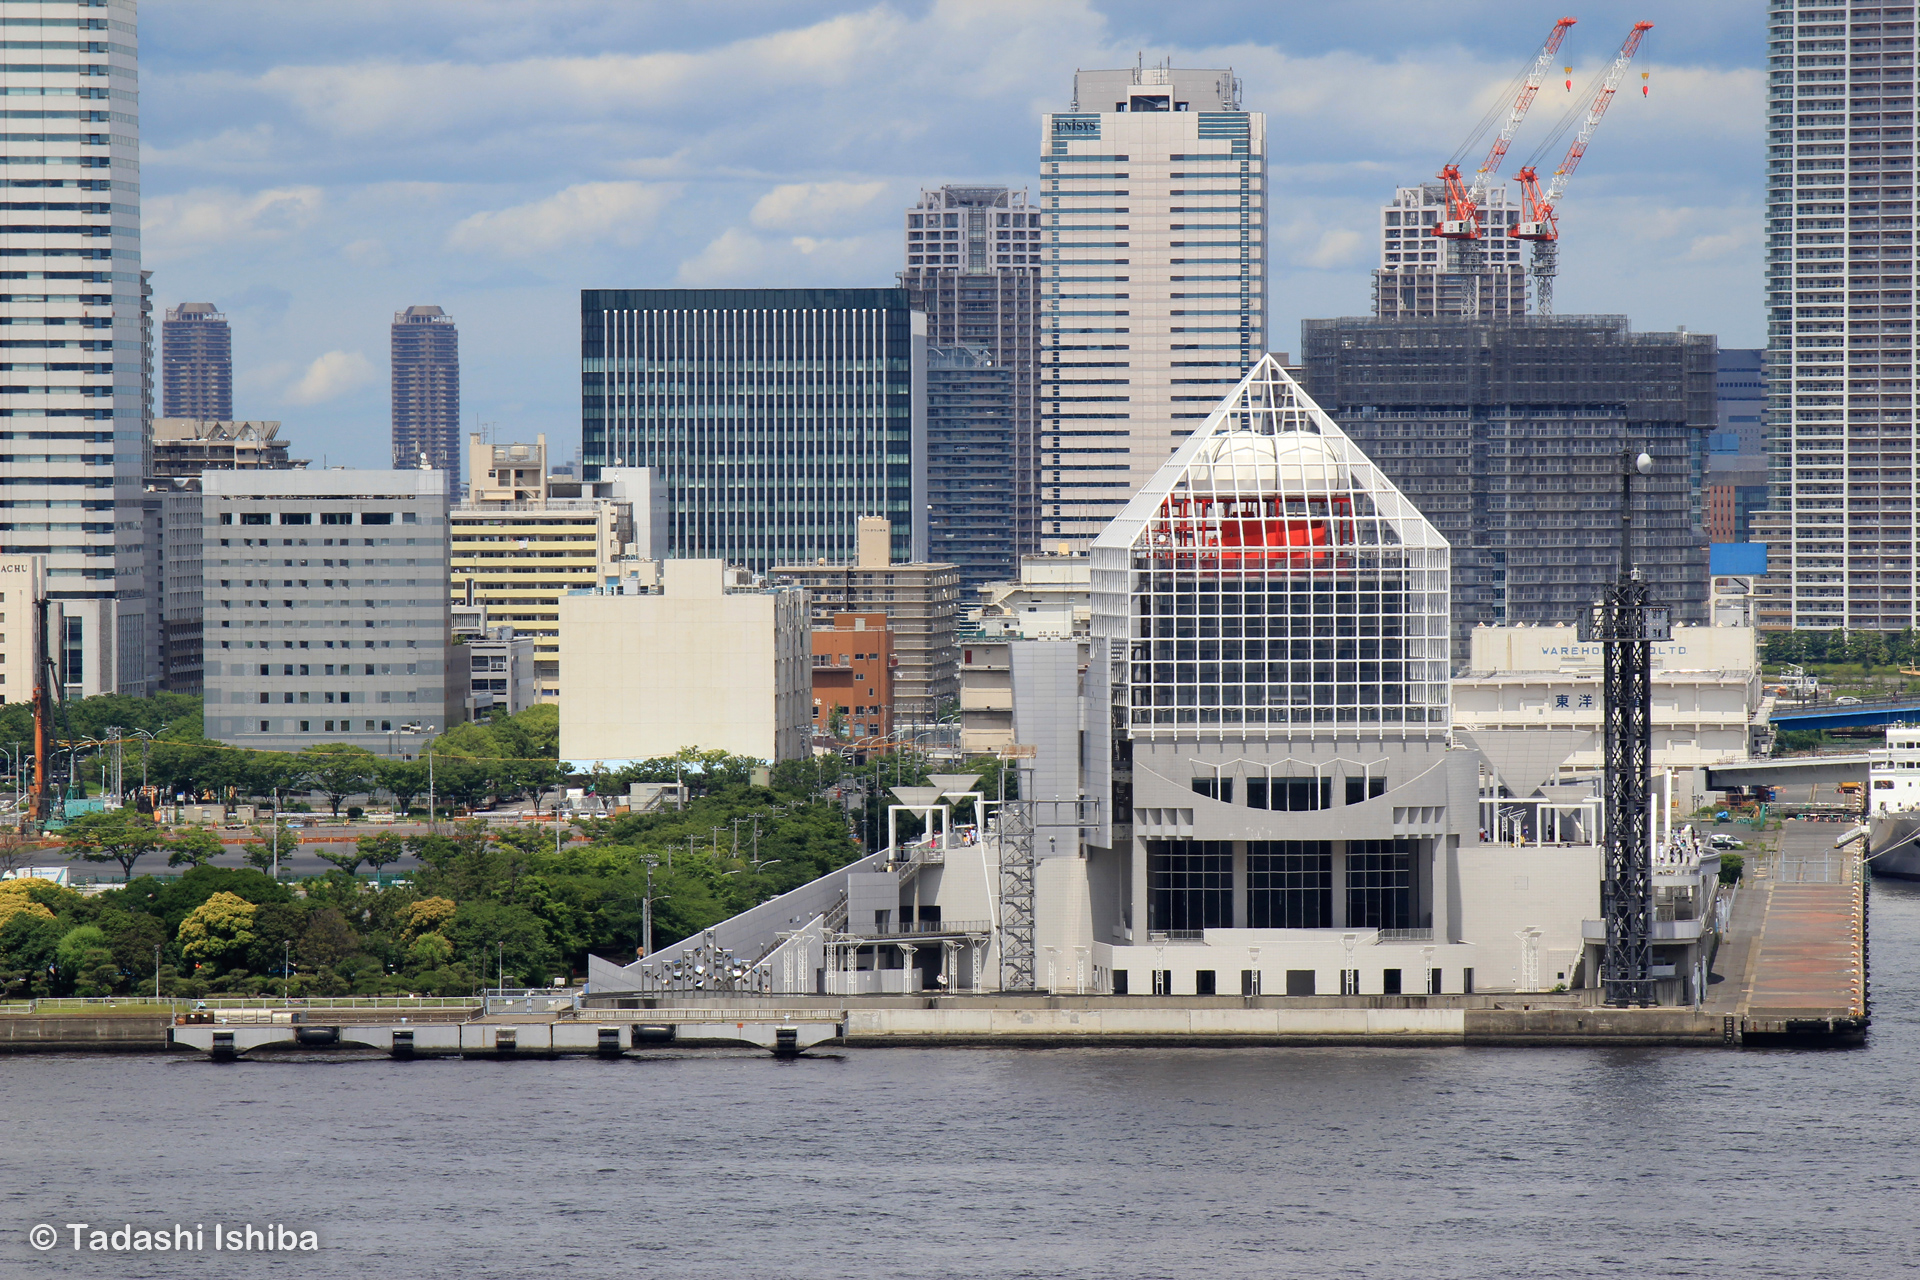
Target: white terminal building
<point>1246,780</point>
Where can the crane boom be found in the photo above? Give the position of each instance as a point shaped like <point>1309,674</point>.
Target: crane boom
<point>1463,202</point>
<point>1536,217</point>
<point>1537,221</point>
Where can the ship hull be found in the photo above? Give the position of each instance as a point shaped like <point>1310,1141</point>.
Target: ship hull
<point>1893,844</point>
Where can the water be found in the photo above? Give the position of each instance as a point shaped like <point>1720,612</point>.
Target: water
<point>1073,1163</point>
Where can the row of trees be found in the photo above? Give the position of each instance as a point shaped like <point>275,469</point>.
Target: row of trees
<point>1865,649</point>
<point>480,906</point>
<point>471,763</point>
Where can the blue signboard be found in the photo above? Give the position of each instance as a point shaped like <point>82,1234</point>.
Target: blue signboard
<point>1737,559</point>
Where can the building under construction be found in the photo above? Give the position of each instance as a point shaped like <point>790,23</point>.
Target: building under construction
<point>1507,434</point>
<point>1424,276</point>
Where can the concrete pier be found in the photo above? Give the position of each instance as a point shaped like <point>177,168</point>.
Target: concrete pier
<point>1794,964</point>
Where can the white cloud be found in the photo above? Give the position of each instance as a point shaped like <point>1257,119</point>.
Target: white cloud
<point>813,206</point>
<point>585,214</point>
<point>366,253</point>
<point>331,376</point>
<point>738,257</point>
<point>211,218</point>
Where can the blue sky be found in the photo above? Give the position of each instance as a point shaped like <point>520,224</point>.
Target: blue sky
<point>313,168</point>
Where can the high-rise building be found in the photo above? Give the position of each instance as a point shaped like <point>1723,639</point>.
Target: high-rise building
<point>1840,339</point>
<point>525,537</point>
<point>775,417</point>
<point>426,392</point>
<point>326,611</point>
<point>972,481</point>
<point>74,343</point>
<point>1509,436</point>
<point>1737,449</point>
<point>1423,276</point>
<point>921,604</point>
<point>973,266</point>
<point>196,362</point>
<point>1154,191</point>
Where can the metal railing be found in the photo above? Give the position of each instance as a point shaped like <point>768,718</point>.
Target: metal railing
<point>189,1003</point>
<point>1175,935</point>
<point>907,928</point>
<point>1405,935</point>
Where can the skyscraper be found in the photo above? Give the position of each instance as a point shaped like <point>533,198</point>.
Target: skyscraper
<point>1154,191</point>
<point>1840,170</point>
<point>971,487</point>
<point>1422,275</point>
<point>776,417</point>
<point>973,265</point>
<point>74,348</point>
<point>1508,435</point>
<point>196,363</point>
<point>426,391</point>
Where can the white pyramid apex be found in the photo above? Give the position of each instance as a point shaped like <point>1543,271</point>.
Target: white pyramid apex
<point>1270,580</point>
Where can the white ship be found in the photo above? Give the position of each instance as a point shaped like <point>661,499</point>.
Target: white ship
<point>1893,805</point>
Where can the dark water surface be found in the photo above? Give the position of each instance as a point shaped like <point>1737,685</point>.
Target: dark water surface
<point>1104,1163</point>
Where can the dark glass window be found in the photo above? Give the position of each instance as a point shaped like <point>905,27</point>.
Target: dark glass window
<point>1189,884</point>
<point>1214,788</point>
<point>1380,884</point>
<point>1359,789</point>
<point>1290,884</point>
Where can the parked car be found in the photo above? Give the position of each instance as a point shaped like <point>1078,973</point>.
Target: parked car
<point>1721,840</point>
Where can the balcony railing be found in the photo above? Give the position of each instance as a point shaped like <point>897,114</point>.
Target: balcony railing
<point>1405,935</point>
<point>921,928</point>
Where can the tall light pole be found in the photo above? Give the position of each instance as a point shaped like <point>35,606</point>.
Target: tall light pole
<point>276,833</point>
<point>1628,623</point>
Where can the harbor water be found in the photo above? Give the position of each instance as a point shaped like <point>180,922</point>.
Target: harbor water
<point>1457,1162</point>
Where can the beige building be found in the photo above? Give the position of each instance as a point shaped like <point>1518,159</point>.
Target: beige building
<point>921,602</point>
<point>686,653</point>
<point>23,580</point>
<point>1531,703</point>
<point>524,538</point>
<point>184,447</point>
<point>1053,600</point>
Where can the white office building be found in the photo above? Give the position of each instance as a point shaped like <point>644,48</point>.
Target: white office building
<point>325,609</point>
<point>1422,276</point>
<point>1840,169</point>
<point>1153,189</point>
<point>74,389</point>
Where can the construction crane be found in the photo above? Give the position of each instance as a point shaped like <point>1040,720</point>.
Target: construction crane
<point>1464,203</point>
<point>1537,222</point>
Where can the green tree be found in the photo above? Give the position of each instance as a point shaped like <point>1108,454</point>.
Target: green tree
<point>328,939</point>
<point>218,930</point>
<point>382,849</point>
<point>339,770</point>
<point>405,780</point>
<point>133,937</point>
<point>193,848</point>
<point>86,961</point>
<point>119,835</point>
<point>270,845</point>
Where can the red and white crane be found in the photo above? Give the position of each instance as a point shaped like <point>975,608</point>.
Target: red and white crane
<point>1464,202</point>
<point>1537,222</point>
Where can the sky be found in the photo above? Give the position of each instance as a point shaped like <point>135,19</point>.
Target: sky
<point>314,168</point>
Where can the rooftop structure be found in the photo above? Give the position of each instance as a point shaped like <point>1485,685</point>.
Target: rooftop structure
<point>183,448</point>
<point>1051,600</point>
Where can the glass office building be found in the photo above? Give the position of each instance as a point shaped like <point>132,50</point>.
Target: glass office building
<point>971,483</point>
<point>775,417</point>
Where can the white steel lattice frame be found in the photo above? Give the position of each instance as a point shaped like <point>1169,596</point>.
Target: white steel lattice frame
<point>1271,583</point>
